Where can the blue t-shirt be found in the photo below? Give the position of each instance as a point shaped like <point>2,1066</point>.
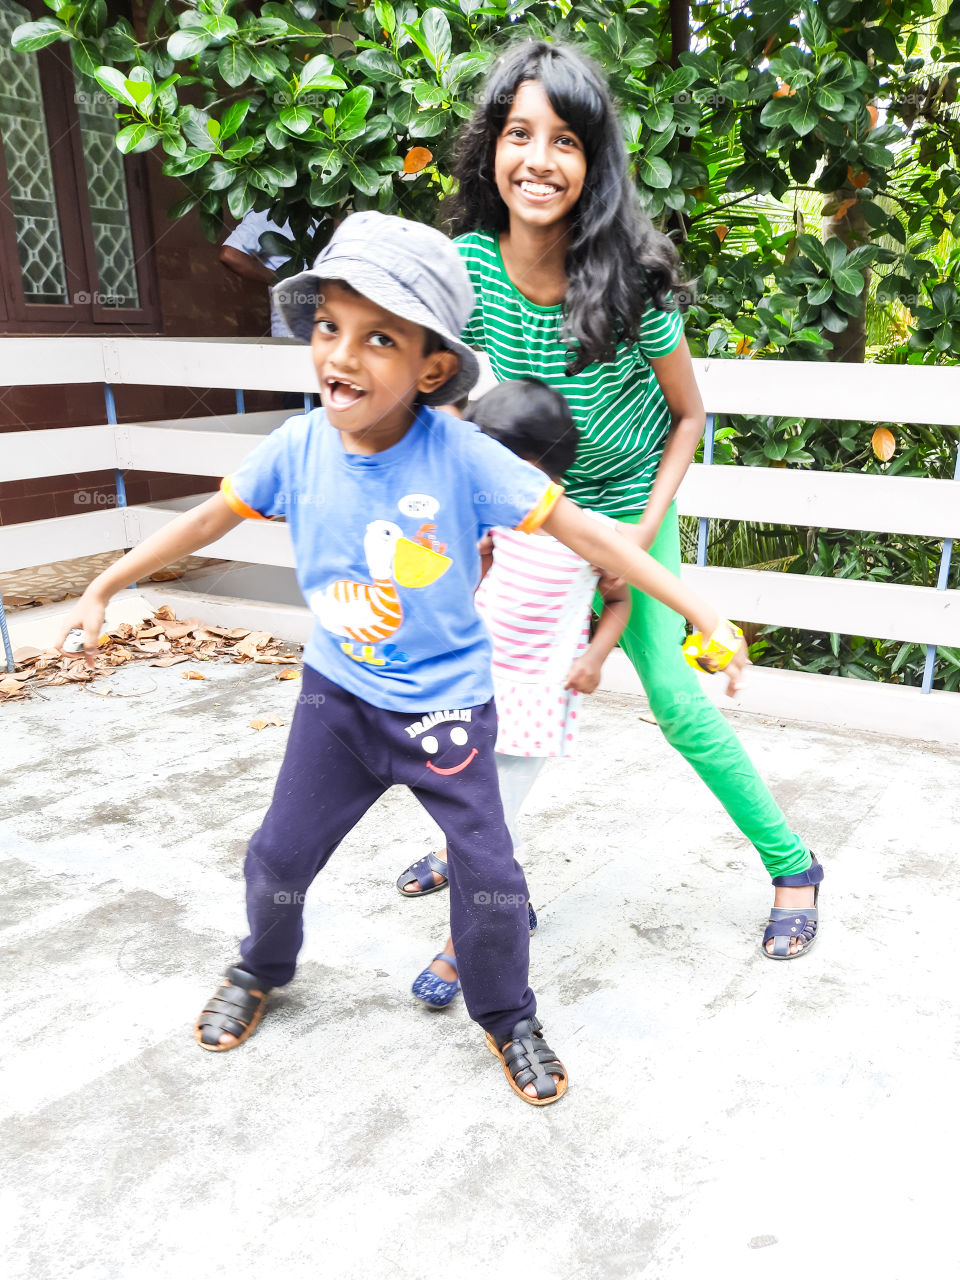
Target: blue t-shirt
<point>386,549</point>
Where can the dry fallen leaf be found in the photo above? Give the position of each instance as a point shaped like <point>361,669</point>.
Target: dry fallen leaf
<point>272,718</point>
<point>175,630</point>
<point>193,675</point>
<point>164,612</point>
<point>10,687</point>
<point>289,674</point>
<point>25,654</point>
<point>417,158</point>
<point>884,445</point>
<point>170,661</point>
<point>254,642</point>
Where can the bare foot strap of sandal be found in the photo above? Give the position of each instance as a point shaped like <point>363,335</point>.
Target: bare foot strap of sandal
<point>234,1010</point>
<point>421,873</point>
<point>528,1059</point>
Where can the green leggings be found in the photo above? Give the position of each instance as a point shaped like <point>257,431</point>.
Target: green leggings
<point>692,724</point>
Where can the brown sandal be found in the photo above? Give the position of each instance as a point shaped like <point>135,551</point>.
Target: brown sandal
<point>234,1010</point>
<point>528,1059</point>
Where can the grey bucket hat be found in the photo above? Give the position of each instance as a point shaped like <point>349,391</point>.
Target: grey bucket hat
<point>405,267</point>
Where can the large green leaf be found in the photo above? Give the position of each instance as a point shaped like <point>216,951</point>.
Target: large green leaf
<point>435,27</point>
<point>30,36</point>
<point>353,108</point>
<point>654,171</point>
<point>319,73</point>
<point>234,117</point>
<point>140,136</point>
<point>235,63</point>
<point>188,42</point>
<point>115,83</point>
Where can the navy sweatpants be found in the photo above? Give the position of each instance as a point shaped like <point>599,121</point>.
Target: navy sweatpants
<point>342,754</point>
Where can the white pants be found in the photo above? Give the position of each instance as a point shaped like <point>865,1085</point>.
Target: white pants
<point>516,775</point>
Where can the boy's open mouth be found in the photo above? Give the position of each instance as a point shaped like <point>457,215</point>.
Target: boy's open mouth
<point>342,394</point>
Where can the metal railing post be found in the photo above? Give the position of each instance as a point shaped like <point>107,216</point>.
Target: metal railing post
<point>121,488</point>
<point>7,648</point>
<point>703,528</point>
<point>241,407</point>
<point>942,579</point>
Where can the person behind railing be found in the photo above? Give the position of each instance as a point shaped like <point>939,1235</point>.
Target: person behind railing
<point>576,287</point>
<point>386,499</point>
<point>244,255</point>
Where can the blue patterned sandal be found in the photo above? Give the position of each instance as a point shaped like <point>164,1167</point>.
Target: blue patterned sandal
<point>421,873</point>
<point>794,922</point>
<point>434,990</point>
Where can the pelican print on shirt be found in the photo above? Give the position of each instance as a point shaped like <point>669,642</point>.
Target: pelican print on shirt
<point>367,613</point>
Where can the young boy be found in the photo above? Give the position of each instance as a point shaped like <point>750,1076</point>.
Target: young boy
<point>386,499</point>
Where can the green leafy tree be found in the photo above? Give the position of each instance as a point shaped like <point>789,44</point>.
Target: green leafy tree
<point>804,157</point>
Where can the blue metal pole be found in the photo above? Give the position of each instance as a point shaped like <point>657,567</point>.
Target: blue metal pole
<point>307,402</point>
<point>7,649</point>
<point>241,407</point>
<point>117,473</point>
<point>112,419</point>
<point>703,529</point>
<point>942,579</point>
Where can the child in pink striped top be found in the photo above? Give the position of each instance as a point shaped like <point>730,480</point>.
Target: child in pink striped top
<point>536,598</point>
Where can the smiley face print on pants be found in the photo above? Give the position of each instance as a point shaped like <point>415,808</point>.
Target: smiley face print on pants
<point>444,736</point>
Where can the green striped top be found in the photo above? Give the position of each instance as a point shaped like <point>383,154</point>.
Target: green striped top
<point>619,408</point>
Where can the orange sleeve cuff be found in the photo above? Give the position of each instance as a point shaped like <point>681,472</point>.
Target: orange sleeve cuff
<point>535,518</point>
<point>236,504</point>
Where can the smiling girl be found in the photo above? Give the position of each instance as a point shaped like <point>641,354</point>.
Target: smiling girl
<point>575,287</point>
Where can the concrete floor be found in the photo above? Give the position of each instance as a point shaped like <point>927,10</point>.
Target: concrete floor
<point>727,1117</point>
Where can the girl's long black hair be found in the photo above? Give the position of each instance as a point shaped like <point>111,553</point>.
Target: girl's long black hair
<point>617,263</point>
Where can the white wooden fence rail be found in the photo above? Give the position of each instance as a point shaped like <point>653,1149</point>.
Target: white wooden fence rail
<point>216,445</point>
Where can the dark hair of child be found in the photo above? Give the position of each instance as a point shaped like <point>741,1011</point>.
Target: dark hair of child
<point>617,263</point>
<point>532,420</point>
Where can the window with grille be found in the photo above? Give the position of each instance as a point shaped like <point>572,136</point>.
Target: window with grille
<point>75,240</point>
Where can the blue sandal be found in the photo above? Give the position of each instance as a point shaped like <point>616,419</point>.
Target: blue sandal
<point>434,990</point>
<point>794,922</point>
<point>421,874</point>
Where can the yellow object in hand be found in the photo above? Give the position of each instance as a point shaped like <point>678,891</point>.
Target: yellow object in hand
<point>716,653</point>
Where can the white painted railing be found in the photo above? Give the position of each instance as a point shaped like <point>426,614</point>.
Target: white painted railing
<point>215,446</point>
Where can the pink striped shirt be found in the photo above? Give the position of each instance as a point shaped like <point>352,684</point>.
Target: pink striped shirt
<point>536,603</point>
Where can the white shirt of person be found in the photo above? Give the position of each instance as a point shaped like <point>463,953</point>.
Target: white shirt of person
<point>246,237</point>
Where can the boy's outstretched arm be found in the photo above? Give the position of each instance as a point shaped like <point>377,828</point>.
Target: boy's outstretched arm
<point>187,533</point>
<point>602,545</point>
